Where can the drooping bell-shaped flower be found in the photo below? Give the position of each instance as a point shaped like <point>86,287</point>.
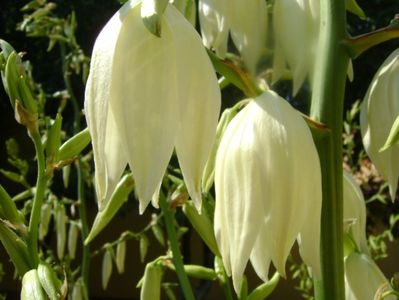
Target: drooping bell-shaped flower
<point>245,19</point>
<point>355,212</point>
<point>146,96</point>
<point>268,189</point>
<point>296,30</point>
<point>377,115</point>
<point>363,278</point>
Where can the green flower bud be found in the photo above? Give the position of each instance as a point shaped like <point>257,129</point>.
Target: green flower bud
<point>151,284</point>
<point>45,220</point>
<point>60,223</point>
<point>120,256</point>
<point>53,141</point>
<point>72,147</point>
<point>106,268</point>
<point>73,234</point>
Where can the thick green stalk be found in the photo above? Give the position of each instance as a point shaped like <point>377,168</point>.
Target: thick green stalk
<point>38,199</point>
<point>174,245</point>
<point>327,108</point>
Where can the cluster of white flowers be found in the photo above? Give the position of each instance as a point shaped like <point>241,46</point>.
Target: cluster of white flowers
<point>147,96</point>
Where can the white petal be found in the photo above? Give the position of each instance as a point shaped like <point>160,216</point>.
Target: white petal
<point>237,184</point>
<point>296,26</point>
<point>249,30</point>
<point>214,21</point>
<point>378,112</point>
<point>144,96</point>
<point>200,102</point>
<point>355,209</point>
<point>363,276</point>
<point>97,97</point>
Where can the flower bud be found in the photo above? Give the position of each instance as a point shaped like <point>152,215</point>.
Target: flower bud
<point>73,146</point>
<point>363,278</point>
<point>142,100</point>
<point>377,115</point>
<point>151,284</point>
<point>268,189</point>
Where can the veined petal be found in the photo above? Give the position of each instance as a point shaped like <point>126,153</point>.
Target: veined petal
<point>97,96</point>
<point>249,30</point>
<point>296,32</point>
<point>238,184</point>
<point>290,160</point>
<point>214,20</point>
<point>200,104</point>
<point>378,112</point>
<point>144,96</point>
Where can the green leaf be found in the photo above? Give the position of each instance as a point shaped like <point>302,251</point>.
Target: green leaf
<point>354,8</point>
<point>106,268</point>
<point>393,136</point>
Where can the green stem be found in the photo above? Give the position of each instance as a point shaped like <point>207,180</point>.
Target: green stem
<point>174,245</point>
<point>37,200</point>
<point>327,108</point>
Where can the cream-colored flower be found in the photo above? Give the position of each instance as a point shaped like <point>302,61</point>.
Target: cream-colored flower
<point>363,278</point>
<point>268,189</point>
<point>146,96</point>
<point>245,19</point>
<point>296,30</point>
<point>355,212</point>
<point>378,112</point>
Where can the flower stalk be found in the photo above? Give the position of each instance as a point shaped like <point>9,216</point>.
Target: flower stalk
<point>327,108</point>
<point>177,257</point>
<point>38,199</point>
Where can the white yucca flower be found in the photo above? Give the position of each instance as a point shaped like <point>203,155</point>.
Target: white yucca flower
<point>146,96</point>
<point>245,19</point>
<point>296,30</point>
<point>268,189</point>
<point>377,115</point>
<point>363,279</point>
<point>355,212</point>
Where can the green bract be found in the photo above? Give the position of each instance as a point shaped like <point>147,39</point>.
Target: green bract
<point>268,189</point>
<point>146,96</point>
<point>377,115</point>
